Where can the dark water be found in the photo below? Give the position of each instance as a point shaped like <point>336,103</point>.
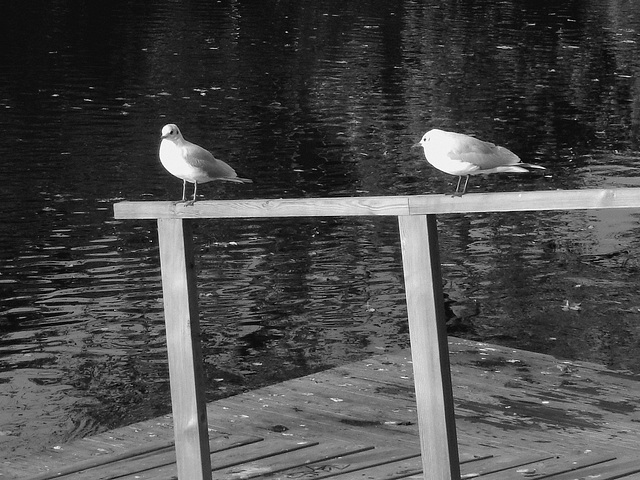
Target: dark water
<point>308,98</point>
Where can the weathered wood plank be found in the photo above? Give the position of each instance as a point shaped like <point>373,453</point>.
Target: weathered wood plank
<point>273,446</point>
<point>139,436</point>
<point>104,461</point>
<point>502,463</point>
<point>294,207</point>
<point>385,205</point>
<point>109,467</point>
<point>378,464</point>
<point>243,454</point>
<point>620,469</point>
<point>410,467</point>
<point>297,463</point>
<point>485,467</point>
<point>183,349</point>
<point>587,199</point>
<point>550,467</point>
<point>322,411</point>
<point>429,347</point>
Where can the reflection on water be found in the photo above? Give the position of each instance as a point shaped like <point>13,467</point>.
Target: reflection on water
<point>309,99</point>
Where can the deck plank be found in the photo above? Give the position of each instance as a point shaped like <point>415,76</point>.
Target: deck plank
<point>399,468</point>
<point>412,468</point>
<point>314,462</point>
<point>500,464</point>
<point>621,469</point>
<point>549,467</point>
<point>243,454</point>
<point>632,476</point>
<point>107,467</point>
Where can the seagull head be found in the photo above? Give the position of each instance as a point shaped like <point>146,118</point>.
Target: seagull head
<point>171,132</point>
<point>423,141</point>
<point>435,135</point>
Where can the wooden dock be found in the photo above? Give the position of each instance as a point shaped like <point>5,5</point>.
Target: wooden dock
<point>496,414</point>
<point>417,224</point>
<point>519,415</point>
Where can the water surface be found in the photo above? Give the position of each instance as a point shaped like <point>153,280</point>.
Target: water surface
<point>309,99</point>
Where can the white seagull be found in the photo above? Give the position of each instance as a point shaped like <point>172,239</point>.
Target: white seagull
<point>192,163</point>
<point>462,155</point>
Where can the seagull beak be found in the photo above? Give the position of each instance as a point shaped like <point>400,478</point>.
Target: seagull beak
<point>416,145</point>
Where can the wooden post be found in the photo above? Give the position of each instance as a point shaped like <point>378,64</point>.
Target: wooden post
<point>183,348</point>
<point>429,347</point>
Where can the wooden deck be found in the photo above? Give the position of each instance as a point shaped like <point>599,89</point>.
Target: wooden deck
<point>519,415</point>
<point>434,398</point>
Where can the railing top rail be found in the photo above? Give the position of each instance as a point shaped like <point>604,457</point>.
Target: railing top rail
<point>385,205</point>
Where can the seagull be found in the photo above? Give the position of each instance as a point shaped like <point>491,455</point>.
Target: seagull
<point>462,155</point>
<point>192,163</point>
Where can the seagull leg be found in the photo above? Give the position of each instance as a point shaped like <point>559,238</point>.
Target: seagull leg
<point>184,190</point>
<point>466,182</point>
<point>193,200</point>
<point>458,193</point>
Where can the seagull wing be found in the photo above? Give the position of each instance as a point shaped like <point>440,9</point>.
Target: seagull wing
<point>485,155</point>
<point>202,159</point>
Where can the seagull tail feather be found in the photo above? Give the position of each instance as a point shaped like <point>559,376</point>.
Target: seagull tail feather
<point>507,169</point>
<point>236,179</point>
<point>518,168</point>
<point>531,165</point>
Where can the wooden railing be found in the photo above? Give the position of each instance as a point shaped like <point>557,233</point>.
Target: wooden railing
<point>423,287</point>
